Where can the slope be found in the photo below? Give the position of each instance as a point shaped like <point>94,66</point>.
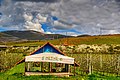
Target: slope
<point>33,35</point>
<point>6,37</point>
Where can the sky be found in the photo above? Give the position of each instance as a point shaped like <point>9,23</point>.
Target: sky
<point>76,17</point>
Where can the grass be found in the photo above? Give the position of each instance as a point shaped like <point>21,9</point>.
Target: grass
<point>17,73</point>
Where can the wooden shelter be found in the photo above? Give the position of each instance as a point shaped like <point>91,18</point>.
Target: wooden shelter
<point>48,60</point>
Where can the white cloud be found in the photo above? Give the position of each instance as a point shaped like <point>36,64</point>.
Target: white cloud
<point>28,16</point>
<point>72,34</point>
<point>110,32</point>
<point>86,14</point>
<point>62,26</point>
<point>41,18</point>
<point>48,32</point>
<point>32,24</point>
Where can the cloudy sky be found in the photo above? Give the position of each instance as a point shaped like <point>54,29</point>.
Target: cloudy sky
<point>75,17</point>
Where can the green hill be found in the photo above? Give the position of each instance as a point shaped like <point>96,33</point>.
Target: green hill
<point>106,39</point>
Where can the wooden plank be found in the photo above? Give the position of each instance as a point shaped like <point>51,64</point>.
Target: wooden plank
<point>66,74</point>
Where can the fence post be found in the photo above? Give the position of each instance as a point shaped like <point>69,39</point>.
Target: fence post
<point>87,60</point>
<point>101,61</point>
<point>118,66</point>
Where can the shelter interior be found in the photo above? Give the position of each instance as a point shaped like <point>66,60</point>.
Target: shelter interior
<point>46,67</point>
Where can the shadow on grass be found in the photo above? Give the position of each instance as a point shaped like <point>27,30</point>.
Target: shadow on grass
<point>20,76</point>
<point>102,77</point>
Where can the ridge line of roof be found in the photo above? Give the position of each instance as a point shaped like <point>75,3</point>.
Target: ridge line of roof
<point>50,45</point>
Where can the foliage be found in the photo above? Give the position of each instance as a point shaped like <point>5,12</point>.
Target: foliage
<point>97,49</point>
<point>9,56</point>
<point>7,60</point>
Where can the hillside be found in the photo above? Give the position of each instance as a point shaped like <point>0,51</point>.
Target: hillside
<point>6,37</point>
<point>28,35</point>
<point>32,36</point>
<point>103,39</point>
<point>89,40</point>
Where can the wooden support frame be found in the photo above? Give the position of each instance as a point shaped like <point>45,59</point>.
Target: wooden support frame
<point>28,71</point>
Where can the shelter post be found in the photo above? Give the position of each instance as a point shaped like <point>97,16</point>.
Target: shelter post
<point>42,67</point>
<point>74,68</point>
<point>50,67</point>
<point>66,67</point>
<point>69,68</point>
<point>28,66</point>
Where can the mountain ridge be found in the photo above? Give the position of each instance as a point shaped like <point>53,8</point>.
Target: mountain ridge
<point>15,35</point>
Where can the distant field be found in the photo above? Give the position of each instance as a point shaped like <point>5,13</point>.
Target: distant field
<point>110,39</point>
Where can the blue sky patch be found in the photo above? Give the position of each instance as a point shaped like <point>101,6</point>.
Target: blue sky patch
<point>2,29</point>
<point>54,18</point>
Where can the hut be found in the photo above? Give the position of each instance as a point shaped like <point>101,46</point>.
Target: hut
<point>48,60</point>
